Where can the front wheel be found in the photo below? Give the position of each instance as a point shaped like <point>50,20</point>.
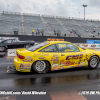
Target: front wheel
<point>93,62</point>
<point>27,46</point>
<point>40,66</point>
<point>2,49</point>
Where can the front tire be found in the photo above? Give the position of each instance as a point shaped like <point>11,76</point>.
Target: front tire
<point>93,62</point>
<point>40,66</point>
<point>2,48</point>
<point>27,46</point>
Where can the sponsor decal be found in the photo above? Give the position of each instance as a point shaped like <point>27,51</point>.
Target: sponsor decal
<point>93,45</point>
<point>62,64</point>
<point>74,57</point>
<point>55,65</point>
<point>62,55</point>
<point>44,54</point>
<point>76,65</point>
<point>82,63</point>
<point>67,63</point>
<point>53,69</point>
<point>37,54</point>
<point>68,50</point>
<point>54,59</point>
<point>72,66</point>
<point>21,66</point>
<point>28,60</point>
<point>55,55</point>
<point>55,62</point>
<point>14,52</point>
<point>26,68</point>
<point>58,68</point>
<point>20,69</point>
<point>25,65</point>
<point>62,60</point>
<point>41,57</point>
<point>61,45</point>
<point>72,63</point>
<point>28,57</point>
<point>51,39</point>
<point>62,68</point>
<point>86,62</point>
<point>85,45</point>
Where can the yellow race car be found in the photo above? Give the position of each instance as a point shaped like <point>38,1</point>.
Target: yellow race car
<point>54,55</point>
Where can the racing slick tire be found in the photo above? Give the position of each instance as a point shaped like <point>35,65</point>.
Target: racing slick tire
<point>40,66</point>
<point>2,48</point>
<point>93,62</point>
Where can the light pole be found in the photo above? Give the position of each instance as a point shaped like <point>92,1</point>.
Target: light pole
<point>84,10</point>
<point>44,11</point>
<point>7,7</point>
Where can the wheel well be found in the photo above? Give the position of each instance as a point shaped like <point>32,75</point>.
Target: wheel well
<point>43,60</point>
<point>96,56</point>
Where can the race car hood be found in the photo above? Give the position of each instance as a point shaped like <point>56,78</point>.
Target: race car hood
<point>92,51</point>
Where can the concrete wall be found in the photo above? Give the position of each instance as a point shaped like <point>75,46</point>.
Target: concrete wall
<point>44,38</point>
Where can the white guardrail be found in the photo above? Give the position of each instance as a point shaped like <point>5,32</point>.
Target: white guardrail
<point>12,52</point>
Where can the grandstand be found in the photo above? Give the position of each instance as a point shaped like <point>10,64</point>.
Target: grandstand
<point>23,24</point>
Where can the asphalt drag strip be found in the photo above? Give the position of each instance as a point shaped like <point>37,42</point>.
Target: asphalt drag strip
<point>59,85</point>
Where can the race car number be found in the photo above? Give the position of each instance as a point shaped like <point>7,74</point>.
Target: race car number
<point>62,45</point>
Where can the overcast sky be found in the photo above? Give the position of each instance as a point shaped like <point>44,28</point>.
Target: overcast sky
<point>67,8</point>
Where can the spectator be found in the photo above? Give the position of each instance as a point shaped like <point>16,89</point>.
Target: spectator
<point>33,32</point>
<point>94,30</point>
<point>70,32</point>
<point>86,30</point>
<point>54,32</point>
<point>93,36</point>
<point>37,32</point>
<point>42,32</point>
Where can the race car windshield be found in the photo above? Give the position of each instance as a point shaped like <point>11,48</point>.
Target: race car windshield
<point>35,47</point>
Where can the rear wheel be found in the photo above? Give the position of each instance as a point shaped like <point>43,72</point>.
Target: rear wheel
<point>93,62</point>
<point>41,66</point>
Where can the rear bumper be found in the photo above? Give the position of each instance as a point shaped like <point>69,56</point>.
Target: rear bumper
<point>22,66</point>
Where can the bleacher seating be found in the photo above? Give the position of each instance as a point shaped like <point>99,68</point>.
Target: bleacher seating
<point>87,25</point>
<point>24,24</point>
<point>54,25</point>
<point>9,23</point>
<point>71,25</point>
<point>34,23</point>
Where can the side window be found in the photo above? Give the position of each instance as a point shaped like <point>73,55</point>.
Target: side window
<point>13,40</point>
<point>51,48</point>
<point>8,41</point>
<point>67,47</point>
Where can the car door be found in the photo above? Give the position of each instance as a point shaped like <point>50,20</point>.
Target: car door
<point>12,44</point>
<point>69,55</point>
<point>50,53</point>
